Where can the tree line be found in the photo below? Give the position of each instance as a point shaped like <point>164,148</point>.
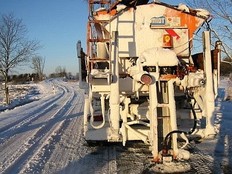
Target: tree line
<point>24,78</point>
<point>36,77</point>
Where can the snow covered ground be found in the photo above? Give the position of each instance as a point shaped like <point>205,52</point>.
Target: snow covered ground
<point>19,95</point>
<point>220,148</point>
<point>43,134</point>
<point>29,132</point>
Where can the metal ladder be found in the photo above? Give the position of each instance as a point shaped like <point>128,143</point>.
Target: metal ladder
<point>98,36</point>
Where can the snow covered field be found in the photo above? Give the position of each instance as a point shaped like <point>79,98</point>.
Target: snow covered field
<point>44,135</point>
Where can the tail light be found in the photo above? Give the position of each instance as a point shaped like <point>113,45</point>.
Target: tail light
<point>146,79</point>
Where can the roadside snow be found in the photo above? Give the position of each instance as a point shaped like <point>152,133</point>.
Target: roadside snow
<point>25,93</point>
<point>220,148</point>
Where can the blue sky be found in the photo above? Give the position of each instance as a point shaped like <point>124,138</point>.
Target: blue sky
<point>57,25</point>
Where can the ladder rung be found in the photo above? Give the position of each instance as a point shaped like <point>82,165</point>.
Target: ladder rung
<point>99,2</point>
<point>100,76</point>
<point>162,117</point>
<point>98,40</point>
<point>99,21</point>
<point>123,75</point>
<point>99,60</point>
<point>163,105</point>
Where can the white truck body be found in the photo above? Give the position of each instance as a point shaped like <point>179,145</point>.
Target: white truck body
<point>141,80</point>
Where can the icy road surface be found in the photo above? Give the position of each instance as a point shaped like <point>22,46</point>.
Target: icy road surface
<point>45,136</point>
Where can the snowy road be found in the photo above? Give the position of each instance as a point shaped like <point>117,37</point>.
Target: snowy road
<point>27,133</point>
<point>45,136</point>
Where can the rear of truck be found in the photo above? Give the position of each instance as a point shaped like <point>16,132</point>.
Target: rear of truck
<point>141,79</point>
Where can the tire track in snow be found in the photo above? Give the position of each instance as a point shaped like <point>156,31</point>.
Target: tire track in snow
<point>32,108</point>
<point>37,136</point>
<point>17,137</point>
<point>69,146</point>
<point>72,155</point>
<point>10,129</point>
<point>13,163</point>
<point>41,156</point>
<point>23,139</point>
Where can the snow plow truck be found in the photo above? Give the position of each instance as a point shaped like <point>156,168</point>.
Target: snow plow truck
<point>142,81</point>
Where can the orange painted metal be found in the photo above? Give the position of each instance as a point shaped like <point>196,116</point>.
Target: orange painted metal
<point>187,20</point>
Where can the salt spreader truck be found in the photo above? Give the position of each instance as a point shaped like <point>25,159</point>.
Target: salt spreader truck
<point>142,81</point>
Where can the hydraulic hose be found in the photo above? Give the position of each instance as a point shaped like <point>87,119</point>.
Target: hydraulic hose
<point>165,142</point>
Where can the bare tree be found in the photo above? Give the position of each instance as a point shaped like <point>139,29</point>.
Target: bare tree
<point>15,48</point>
<point>38,66</point>
<point>61,72</point>
<point>221,11</point>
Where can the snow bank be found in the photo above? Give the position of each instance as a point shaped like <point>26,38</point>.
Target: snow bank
<point>25,93</point>
<point>226,87</point>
